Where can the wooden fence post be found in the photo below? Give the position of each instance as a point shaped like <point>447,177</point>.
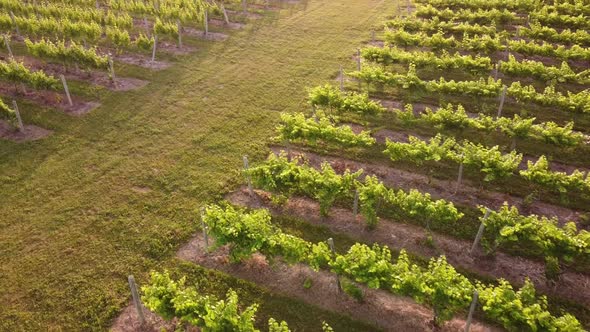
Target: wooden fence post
<point>460,176</point>
<point>7,44</point>
<point>225,17</point>
<point>341,78</point>
<point>14,22</point>
<point>179,27</point>
<point>206,23</point>
<point>355,204</point>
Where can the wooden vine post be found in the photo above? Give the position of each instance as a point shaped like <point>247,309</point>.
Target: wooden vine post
<point>136,299</point>
<point>480,231</point>
<point>460,176</point>
<point>471,310</point>
<point>112,70</point>
<point>249,179</point>
<point>502,98</point>
<point>206,22</point>
<point>21,127</point>
<point>341,78</point>
<point>205,231</point>
<point>179,27</point>
<point>154,48</point>
<point>225,17</point>
<point>244,7</point>
<point>355,204</point>
<point>14,23</point>
<point>66,89</point>
<point>333,250</point>
<point>7,45</point>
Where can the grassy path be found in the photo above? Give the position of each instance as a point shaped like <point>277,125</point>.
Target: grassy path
<point>115,192</point>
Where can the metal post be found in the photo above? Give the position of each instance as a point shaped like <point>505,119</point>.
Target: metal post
<point>331,244</point>
<point>21,127</point>
<point>502,97</point>
<point>65,84</point>
<point>246,167</point>
<point>480,231</point>
<point>136,299</point>
<point>471,310</point>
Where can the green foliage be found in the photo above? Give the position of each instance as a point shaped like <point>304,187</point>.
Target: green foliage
<point>561,182</point>
<point>72,53</point>
<point>508,226</point>
<point>169,299</point>
<point>295,127</point>
<point>344,102</point>
<point>8,114</point>
<point>352,289</point>
<point>17,72</point>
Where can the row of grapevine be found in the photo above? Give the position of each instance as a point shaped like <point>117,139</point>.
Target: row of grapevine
<point>438,285</point>
<point>17,72</point>
<point>574,102</point>
<point>174,299</point>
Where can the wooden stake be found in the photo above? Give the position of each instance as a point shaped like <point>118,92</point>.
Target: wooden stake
<point>147,29</point>
<point>355,204</point>
<point>225,15</point>
<point>205,230</point>
<point>65,84</point>
<point>460,176</point>
<point>471,310</point>
<point>136,299</point>
<point>244,6</point>
<point>7,44</point>
<point>112,70</point>
<point>480,231</point>
<point>496,69</point>
<point>331,244</point>
<point>206,22</point>
<point>408,7</point>
<point>14,22</point>
<point>341,78</point>
<point>21,127</point>
<point>358,61</point>
<point>154,48</point>
<point>502,98</point>
<point>246,167</point>
<point>179,33</point>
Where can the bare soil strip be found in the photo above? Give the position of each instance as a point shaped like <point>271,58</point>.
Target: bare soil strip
<point>468,194</point>
<point>413,238</point>
<point>30,133</point>
<point>380,308</point>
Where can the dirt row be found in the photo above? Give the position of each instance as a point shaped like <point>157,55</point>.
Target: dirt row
<point>379,308</point>
<point>397,236</point>
<point>468,194</point>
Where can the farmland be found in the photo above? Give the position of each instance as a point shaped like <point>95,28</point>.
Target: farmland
<point>346,165</point>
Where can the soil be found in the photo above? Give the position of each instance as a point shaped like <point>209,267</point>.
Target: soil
<point>468,194</point>
<point>380,308</point>
<point>48,99</point>
<point>231,25</point>
<point>571,285</point>
<point>30,133</point>
<point>128,321</point>
<point>173,48</point>
<point>142,61</point>
<point>215,36</point>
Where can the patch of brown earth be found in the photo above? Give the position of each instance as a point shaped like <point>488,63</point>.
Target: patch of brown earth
<point>142,61</point>
<point>30,133</point>
<point>571,285</point>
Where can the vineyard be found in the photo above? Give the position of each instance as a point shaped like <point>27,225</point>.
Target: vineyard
<point>244,165</point>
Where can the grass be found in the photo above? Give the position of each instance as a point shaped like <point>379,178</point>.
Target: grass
<point>115,192</point>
